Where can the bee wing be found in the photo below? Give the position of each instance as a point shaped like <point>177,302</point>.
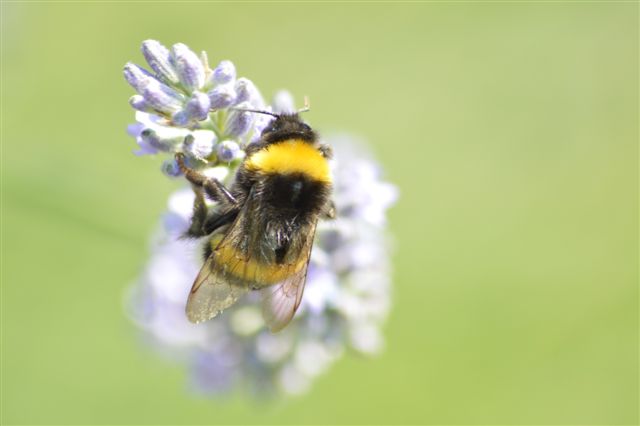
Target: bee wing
<point>211,293</point>
<point>280,302</point>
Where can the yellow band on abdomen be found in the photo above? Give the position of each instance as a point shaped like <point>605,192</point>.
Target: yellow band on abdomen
<point>292,156</point>
<point>228,259</point>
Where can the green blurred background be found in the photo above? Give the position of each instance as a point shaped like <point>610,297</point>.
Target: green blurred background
<point>510,128</point>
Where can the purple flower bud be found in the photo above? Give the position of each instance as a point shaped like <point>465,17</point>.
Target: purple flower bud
<point>138,102</point>
<point>150,138</point>
<point>228,151</point>
<point>238,123</point>
<point>162,98</point>
<point>136,76</point>
<point>200,143</point>
<point>158,95</point>
<point>190,69</point>
<point>181,119</point>
<point>159,59</point>
<point>166,144</point>
<point>198,106</point>
<point>246,91</point>
<point>222,96</point>
<point>171,168</point>
<point>224,73</point>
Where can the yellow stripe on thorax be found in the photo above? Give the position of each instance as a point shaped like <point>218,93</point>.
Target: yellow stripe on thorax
<point>251,270</point>
<point>292,156</point>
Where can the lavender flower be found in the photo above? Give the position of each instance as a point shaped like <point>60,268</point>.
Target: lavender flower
<point>229,151</point>
<point>182,95</point>
<point>224,73</point>
<point>190,68</point>
<point>347,295</point>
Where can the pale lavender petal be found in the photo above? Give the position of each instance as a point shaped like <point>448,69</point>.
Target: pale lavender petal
<point>135,129</point>
<point>145,147</point>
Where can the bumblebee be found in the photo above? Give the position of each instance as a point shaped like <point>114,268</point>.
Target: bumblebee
<point>261,229</point>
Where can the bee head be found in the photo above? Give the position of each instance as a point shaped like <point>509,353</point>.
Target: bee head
<point>288,126</point>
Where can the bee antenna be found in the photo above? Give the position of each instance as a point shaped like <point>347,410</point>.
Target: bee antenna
<point>307,105</point>
<point>257,111</point>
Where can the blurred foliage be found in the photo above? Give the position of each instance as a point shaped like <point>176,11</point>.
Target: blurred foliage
<point>510,128</point>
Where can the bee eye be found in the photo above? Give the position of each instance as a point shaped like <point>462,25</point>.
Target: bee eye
<point>306,127</point>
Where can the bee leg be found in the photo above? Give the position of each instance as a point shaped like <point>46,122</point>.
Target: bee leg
<point>212,187</point>
<point>330,210</point>
<point>218,220</point>
<point>326,151</point>
<point>197,226</point>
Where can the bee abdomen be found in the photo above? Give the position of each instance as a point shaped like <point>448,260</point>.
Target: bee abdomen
<point>295,193</point>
